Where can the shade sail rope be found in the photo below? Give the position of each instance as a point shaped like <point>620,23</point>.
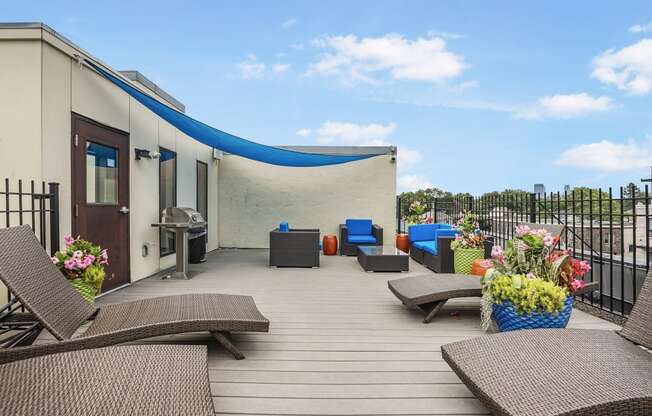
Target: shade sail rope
<point>226,142</point>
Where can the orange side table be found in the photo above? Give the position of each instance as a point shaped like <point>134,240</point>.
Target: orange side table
<point>330,245</point>
<point>403,243</point>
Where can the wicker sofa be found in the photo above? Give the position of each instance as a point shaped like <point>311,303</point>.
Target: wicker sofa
<point>430,245</point>
<point>359,232</point>
<point>294,248</point>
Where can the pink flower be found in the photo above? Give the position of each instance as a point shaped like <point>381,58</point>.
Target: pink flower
<point>496,251</point>
<point>69,264</point>
<point>55,260</point>
<point>548,240</point>
<point>530,275</point>
<point>486,264</point>
<point>68,240</point>
<point>77,254</point>
<point>577,284</point>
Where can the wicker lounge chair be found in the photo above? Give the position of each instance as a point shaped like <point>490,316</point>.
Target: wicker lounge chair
<point>125,380</point>
<point>430,293</point>
<point>294,247</point>
<point>562,371</point>
<point>29,274</point>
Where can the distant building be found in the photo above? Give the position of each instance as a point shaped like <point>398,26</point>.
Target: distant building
<point>539,189</point>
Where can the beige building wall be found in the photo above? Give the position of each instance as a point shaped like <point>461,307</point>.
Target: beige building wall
<point>255,197</point>
<point>41,87</point>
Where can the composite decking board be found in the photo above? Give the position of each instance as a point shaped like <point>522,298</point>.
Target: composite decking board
<point>364,391</point>
<point>339,341</point>
<point>331,378</point>
<point>414,406</point>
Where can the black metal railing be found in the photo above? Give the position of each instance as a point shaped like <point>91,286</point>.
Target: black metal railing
<point>609,229</point>
<point>37,205</point>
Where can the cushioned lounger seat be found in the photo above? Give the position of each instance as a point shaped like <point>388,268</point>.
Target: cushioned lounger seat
<point>362,239</point>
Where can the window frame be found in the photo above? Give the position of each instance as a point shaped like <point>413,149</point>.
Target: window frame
<point>204,165</point>
<point>174,199</point>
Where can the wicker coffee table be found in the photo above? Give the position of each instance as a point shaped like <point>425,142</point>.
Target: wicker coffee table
<point>382,259</point>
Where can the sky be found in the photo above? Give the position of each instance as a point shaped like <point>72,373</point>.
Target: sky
<point>477,95</point>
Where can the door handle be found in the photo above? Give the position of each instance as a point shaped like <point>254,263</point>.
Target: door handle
<point>124,210</point>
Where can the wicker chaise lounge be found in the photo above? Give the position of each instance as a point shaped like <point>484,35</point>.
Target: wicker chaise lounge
<point>156,380</point>
<point>431,292</point>
<point>562,371</point>
<point>29,274</point>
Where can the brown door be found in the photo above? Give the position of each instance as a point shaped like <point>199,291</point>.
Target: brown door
<point>100,193</point>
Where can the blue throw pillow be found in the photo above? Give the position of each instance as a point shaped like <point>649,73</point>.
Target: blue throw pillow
<point>284,227</point>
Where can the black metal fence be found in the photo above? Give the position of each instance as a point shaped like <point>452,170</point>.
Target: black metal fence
<point>609,229</point>
<point>35,204</point>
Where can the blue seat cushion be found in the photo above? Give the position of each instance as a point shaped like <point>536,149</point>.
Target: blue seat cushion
<point>422,232</point>
<point>362,239</point>
<point>359,227</point>
<point>429,246</point>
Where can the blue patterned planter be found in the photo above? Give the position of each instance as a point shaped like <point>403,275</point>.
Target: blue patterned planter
<point>508,320</point>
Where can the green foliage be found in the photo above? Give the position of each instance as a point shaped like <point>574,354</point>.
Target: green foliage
<point>528,295</point>
<point>471,235</point>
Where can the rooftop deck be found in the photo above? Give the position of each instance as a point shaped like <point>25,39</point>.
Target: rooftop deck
<point>339,341</point>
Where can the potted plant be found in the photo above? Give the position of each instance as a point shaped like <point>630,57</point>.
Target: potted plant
<point>531,284</point>
<point>82,263</point>
<point>522,302</point>
<point>468,246</point>
<point>416,213</point>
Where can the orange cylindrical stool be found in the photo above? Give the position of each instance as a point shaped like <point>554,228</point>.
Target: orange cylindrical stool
<point>330,245</point>
<point>478,269</point>
<point>402,242</point>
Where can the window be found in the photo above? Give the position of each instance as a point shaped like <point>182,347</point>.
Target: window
<point>101,174</point>
<point>167,183</point>
<point>202,189</point>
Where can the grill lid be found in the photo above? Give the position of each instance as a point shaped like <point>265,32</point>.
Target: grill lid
<point>182,216</point>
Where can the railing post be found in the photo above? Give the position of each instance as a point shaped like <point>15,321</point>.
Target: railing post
<point>434,207</point>
<point>470,204</point>
<point>533,207</point>
<point>54,216</point>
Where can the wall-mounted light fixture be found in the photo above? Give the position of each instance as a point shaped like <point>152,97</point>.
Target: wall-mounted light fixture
<point>146,154</point>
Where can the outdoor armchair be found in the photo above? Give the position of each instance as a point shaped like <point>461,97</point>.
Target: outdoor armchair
<point>358,232</point>
<point>28,272</point>
<point>294,247</point>
<point>562,371</point>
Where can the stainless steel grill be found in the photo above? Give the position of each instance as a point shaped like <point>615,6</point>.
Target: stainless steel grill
<point>173,217</point>
<point>183,221</point>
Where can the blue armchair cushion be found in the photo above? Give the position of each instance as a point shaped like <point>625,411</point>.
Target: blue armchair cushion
<point>284,227</point>
<point>362,239</point>
<point>447,232</point>
<point>422,232</point>
<point>429,246</point>
<point>359,227</point>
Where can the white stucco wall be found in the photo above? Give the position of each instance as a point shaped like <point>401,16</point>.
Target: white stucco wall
<point>41,86</point>
<point>255,197</point>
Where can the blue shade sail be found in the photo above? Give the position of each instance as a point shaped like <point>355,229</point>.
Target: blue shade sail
<point>224,141</point>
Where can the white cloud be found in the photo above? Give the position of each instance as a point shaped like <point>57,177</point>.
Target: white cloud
<point>304,132</point>
<point>629,69</point>
<point>297,46</point>
<point>355,59</point>
<point>354,134</point>
<point>466,85</point>
<point>288,23</point>
<point>251,68</point>
<point>641,28</point>
<point>408,157</point>
<point>445,35</point>
<point>565,106</point>
<point>607,156</point>
<point>412,183</point>
<point>280,68</point>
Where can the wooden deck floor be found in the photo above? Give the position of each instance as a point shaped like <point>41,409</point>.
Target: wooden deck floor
<point>339,342</point>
